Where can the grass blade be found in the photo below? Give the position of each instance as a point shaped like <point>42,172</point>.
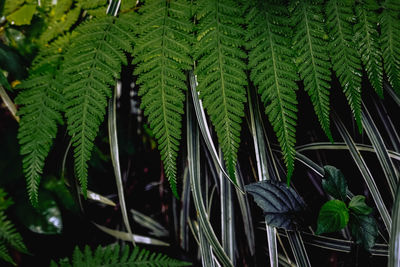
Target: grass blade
<point>380,148</point>
<point>202,121</point>
<point>366,174</point>
<point>184,215</point>
<point>149,223</point>
<point>129,237</point>
<point>394,247</point>
<point>9,103</point>
<point>112,133</point>
<point>298,248</point>
<point>392,93</point>
<point>193,146</point>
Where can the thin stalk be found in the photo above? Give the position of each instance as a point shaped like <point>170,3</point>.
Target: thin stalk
<point>112,134</point>
<point>9,103</point>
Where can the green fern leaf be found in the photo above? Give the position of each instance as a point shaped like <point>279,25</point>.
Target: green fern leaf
<point>221,73</point>
<point>41,104</point>
<point>114,256</point>
<point>345,58</point>
<point>312,58</point>
<point>9,235</point>
<point>274,73</point>
<point>367,40</point>
<point>390,42</point>
<point>162,54</point>
<point>91,66</point>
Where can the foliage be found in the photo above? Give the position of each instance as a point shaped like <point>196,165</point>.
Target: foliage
<point>9,237</point>
<point>162,54</point>
<point>335,214</point>
<point>114,256</point>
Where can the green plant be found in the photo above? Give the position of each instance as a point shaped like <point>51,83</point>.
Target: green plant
<point>114,256</point>
<point>336,215</point>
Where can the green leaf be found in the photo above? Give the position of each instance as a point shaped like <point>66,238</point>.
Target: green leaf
<point>44,219</point>
<point>22,16</point>
<point>90,67</point>
<point>3,81</point>
<point>274,73</point>
<point>357,205</point>
<point>364,230</point>
<point>281,205</point>
<point>334,182</point>
<point>221,72</point>
<point>332,217</point>
<point>312,59</point>
<point>162,54</point>
<point>344,56</point>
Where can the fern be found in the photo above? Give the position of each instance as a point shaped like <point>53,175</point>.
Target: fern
<point>91,66</point>
<point>41,104</point>
<point>273,72</point>
<point>344,56</point>
<point>367,40</point>
<point>390,42</point>
<point>312,58</point>
<point>162,54</point>
<point>112,256</point>
<point>221,73</point>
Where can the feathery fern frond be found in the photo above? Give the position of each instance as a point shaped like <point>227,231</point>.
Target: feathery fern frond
<point>367,41</point>
<point>221,73</point>
<point>390,42</point>
<point>41,102</point>
<point>114,256</point>
<point>91,66</point>
<point>345,58</point>
<point>162,54</point>
<point>312,58</point>
<point>9,235</point>
<point>273,72</point>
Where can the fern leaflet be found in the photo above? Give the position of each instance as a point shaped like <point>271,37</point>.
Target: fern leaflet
<point>390,42</point>
<point>345,58</point>
<point>312,58</point>
<point>41,104</point>
<point>367,40</point>
<point>274,73</point>
<point>221,73</point>
<point>162,54</point>
<point>91,66</point>
<point>114,256</point>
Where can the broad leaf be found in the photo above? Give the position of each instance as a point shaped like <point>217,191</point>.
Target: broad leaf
<point>364,230</point>
<point>282,206</point>
<point>332,217</point>
<point>23,15</point>
<point>334,182</point>
<point>358,206</point>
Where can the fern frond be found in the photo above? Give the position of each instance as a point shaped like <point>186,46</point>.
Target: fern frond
<point>91,66</point>
<point>390,42</point>
<point>9,235</point>
<point>41,103</point>
<point>367,41</point>
<point>4,254</point>
<point>220,72</point>
<point>114,256</point>
<point>312,58</point>
<point>162,54</point>
<point>345,58</point>
<point>59,23</point>
<point>274,73</point>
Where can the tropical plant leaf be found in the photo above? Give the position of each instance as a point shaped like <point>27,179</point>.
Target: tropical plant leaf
<point>114,256</point>
<point>344,56</point>
<point>358,206</point>
<point>390,42</point>
<point>364,229</point>
<point>41,103</point>
<point>220,72</point>
<point>162,54</point>
<point>367,41</point>
<point>282,206</point>
<point>273,72</point>
<point>332,217</point>
<point>310,44</point>
<point>91,66</point>
<point>334,182</point>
